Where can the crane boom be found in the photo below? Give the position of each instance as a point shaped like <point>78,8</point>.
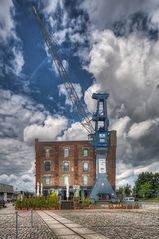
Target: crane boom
<point>72,94</point>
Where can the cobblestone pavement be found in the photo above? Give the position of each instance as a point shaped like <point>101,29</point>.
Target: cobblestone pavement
<point>8,224</point>
<point>119,224</point>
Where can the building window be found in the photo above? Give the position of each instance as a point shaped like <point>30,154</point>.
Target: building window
<point>66,166</point>
<point>47,165</point>
<point>66,152</point>
<point>47,180</point>
<point>85,180</point>
<point>66,180</point>
<point>85,152</point>
<point>85,166</point>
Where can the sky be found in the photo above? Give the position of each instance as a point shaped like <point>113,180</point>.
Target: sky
<point>107,45</point>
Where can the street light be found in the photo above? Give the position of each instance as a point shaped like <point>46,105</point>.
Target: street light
<point>67,191</point>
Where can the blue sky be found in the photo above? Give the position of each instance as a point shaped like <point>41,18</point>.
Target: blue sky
<point>105,46</point>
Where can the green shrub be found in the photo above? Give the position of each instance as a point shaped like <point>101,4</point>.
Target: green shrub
<point>53,200</point>
<point>76,200</point>
<point>86,202</point>
<point>38,202</point>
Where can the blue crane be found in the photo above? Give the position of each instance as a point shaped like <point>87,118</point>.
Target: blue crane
<point>98,135</point>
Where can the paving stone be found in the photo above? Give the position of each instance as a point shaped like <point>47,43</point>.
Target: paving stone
<point>56,226</point>
<point>69,237</point>
<point>117,224</point>
<point>94,236</point>
<point>40,230</point>
<point>82,230</point>
<point>63,232</point>
<point>72,225</point>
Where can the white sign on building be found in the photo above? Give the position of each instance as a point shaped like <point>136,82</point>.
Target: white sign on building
<point>102,165</point>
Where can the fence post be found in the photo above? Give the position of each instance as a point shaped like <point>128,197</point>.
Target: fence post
<point>31,218</point>
<point>16,224</point>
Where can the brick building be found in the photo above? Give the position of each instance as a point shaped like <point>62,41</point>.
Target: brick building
<point>71,162</point>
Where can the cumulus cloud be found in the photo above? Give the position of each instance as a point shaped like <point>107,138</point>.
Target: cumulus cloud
<point>126,66</point>
<point>120,125</point>
<point>63,91</point>
<point>22,120</point>
<point>103,14</point>
<point>18,61</point>
<point>9,38</point>
<point>51,6</point>
<point>7,29</point>
<point>66,25</point>
<point>51,128</point>
<point>141,129</point>
<point>16,160</point>
<point>75,132</point>
<point>91,103</point>
<point>17,112</point>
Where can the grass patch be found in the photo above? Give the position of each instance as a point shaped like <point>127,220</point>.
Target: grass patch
<point>149,200</point>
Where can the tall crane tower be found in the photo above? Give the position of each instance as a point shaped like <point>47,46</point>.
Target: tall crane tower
<point>98,135</point>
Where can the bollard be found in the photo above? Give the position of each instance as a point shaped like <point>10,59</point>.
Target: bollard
<point>31,218</point>
<point>16,224</point>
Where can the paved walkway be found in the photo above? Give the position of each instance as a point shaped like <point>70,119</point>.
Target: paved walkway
<point>66,229</point>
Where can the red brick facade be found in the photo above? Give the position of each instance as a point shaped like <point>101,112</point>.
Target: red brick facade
<point>52,153</point>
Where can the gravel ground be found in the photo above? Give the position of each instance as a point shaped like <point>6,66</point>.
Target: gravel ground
<point>8,224</point>
<point>119,224</point>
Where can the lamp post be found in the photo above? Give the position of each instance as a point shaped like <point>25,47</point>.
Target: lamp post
<point>41,189</point>
<point>67,191</point>
<point>37,189</point>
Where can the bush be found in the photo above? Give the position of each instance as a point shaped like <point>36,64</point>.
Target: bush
<point>53,200</point>
<point>86,202</point>
<point>76,200</point>
<point>38,202</point>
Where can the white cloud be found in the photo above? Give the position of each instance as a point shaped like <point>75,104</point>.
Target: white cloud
<point>120,126</point>
<point>18,61</point>
<point>9,38</point>
<point>122,67</point>
<point>128,174</point>
<point>66,27</point>
<point>63,91</point>
<point>16,160</point>
<point>53,126</point>
<point>51,6</point>
<point>103,14</point>
<point>20,123</point>
<point>138,130</point>
<point>7,29</point>
<point>75,132</point>
<point>17,112</point>
<point>91,103</point>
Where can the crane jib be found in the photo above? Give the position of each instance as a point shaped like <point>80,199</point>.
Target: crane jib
<point>71,92</point>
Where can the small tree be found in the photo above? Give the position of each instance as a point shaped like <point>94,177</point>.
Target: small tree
<point>53,200</point>
<point>145,190</point>
<point>76,199</point>
<point>86,202</point>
